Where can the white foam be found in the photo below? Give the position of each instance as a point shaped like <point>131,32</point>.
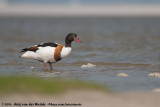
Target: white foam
<point>156,90</point>
<point>155,74</point>
<point>122,75</point>
<point>89,65</point>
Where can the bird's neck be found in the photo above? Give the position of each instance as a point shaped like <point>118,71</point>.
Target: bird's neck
<point>67,43</point>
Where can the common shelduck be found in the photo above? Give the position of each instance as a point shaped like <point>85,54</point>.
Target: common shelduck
<point>50,52</point>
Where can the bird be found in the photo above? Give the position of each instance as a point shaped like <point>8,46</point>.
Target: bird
<point>50,52</point>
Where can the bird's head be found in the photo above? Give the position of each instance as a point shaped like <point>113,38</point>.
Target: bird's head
<point>72,37</point>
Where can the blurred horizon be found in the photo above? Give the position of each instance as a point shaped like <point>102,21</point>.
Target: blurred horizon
<point>83,1</point>
<point>80,8</point>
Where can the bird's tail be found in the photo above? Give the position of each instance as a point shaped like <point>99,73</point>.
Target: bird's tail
<point>29,55</point>
<point>24,50</point>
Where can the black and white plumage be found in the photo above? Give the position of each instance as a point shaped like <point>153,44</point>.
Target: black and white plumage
<point>50,52</point>
<point>36,47</point>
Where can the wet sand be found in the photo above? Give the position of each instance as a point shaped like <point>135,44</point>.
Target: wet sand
<point>89,98</point>
<point>105,73</point>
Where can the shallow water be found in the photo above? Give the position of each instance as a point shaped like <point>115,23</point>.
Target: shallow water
<point>115,45</point>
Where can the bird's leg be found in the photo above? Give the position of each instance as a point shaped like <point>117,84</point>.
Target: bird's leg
<point>50,64</point>
<point>44,66</point>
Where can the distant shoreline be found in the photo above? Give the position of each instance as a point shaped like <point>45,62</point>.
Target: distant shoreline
<point>115,10</point>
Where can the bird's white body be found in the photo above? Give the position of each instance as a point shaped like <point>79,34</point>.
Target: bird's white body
<point>65,51</point>
<point>46,54</point>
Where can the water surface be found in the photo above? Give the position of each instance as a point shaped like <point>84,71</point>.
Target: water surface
<point>115,45</point>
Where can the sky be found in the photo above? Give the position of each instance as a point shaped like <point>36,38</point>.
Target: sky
<point>88,1</point>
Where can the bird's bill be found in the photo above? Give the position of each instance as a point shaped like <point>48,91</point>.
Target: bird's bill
<point>77,39</point>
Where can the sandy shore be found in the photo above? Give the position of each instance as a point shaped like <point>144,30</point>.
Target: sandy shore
<point>79,10</point>
<point>87,99</point>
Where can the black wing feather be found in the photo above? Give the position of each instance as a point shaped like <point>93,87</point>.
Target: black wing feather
<point>24,50</point>
<point>51,44</point>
